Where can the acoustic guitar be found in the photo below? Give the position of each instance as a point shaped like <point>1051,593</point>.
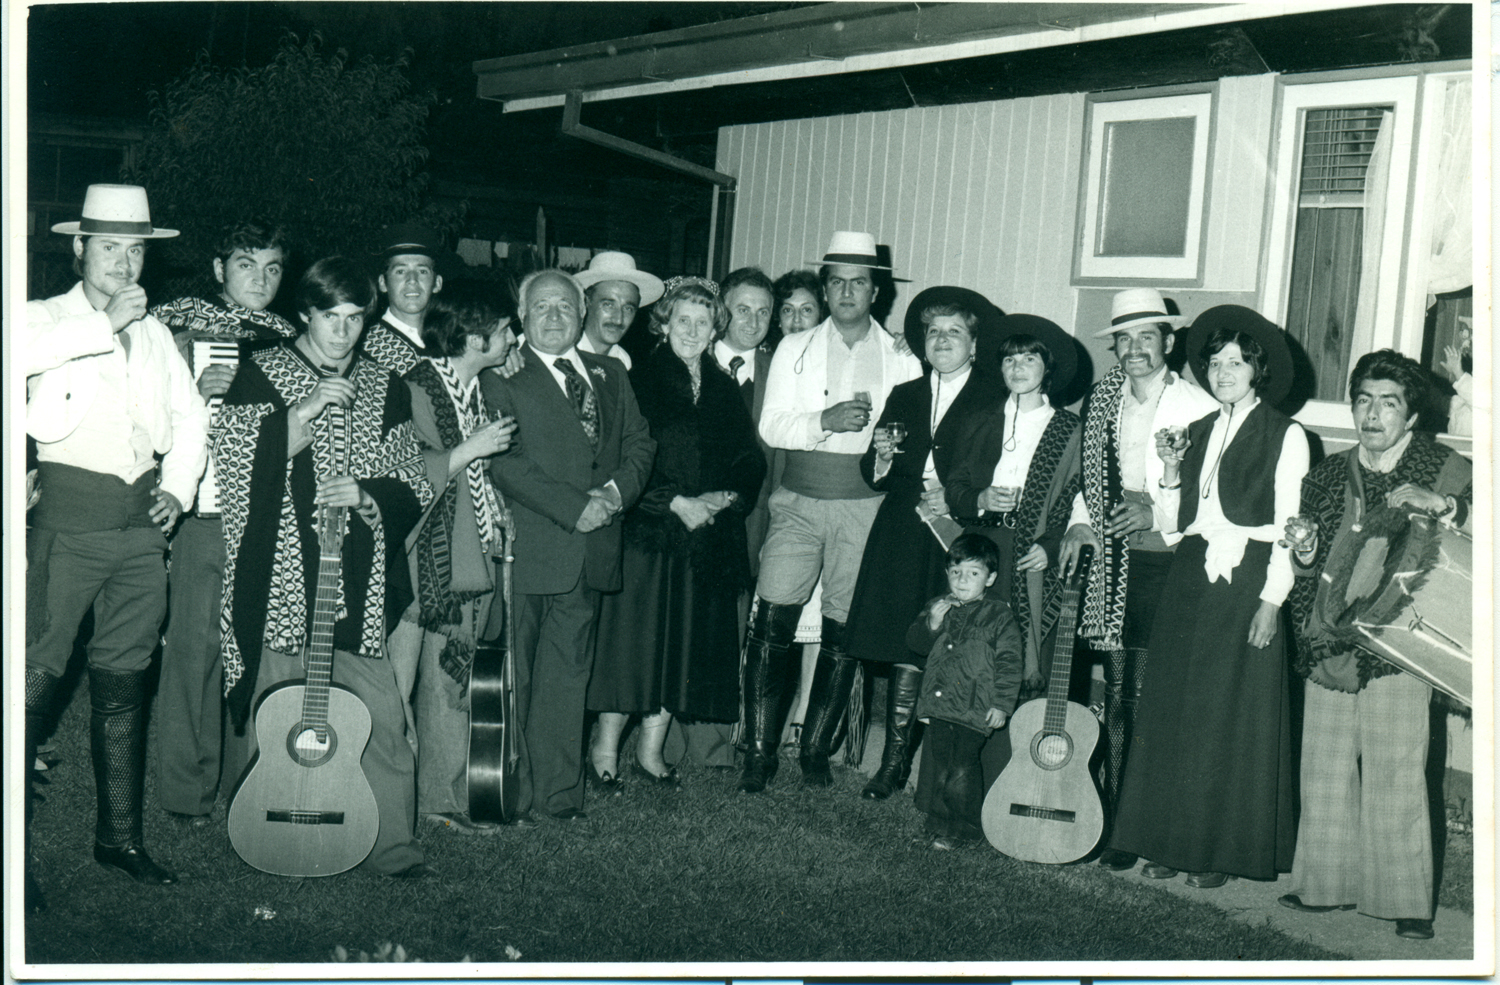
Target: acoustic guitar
<point>305,807</point>
<point>494,723</point>
<point>1045,807</point>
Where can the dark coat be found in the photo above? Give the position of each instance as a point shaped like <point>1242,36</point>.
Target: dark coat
<point>974,662</point>
<point>903,564</point>
<point>670,638</point>
<point>547,473</point>
<point>759,520</point>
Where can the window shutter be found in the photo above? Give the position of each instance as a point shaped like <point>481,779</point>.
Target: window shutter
<point>1336,147</point>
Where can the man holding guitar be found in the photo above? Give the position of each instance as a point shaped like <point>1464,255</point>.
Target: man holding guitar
<point>307,426</point>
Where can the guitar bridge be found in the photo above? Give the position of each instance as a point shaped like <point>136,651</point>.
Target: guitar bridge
<point>1043,813</point>
<point>305,817</point>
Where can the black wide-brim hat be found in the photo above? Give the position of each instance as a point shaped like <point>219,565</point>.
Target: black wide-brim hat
<point>417,239</point>
<point>989,318</point>
<point>1063,347</point>
<point>1238,318</point>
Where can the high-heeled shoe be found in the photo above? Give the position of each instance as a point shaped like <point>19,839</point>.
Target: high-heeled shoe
<point>670,779</point>
<point>605,782</point>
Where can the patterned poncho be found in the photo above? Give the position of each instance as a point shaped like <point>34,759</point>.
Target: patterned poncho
<point>218,318</point>
<point>270,520</point>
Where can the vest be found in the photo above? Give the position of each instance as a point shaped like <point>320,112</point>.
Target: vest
<point>1247,490</point>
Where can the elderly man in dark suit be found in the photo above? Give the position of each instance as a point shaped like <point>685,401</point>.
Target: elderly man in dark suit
<point>583,454</point>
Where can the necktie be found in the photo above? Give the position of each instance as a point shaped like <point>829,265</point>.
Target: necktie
<point>582,397</point>
<point>734,367</point>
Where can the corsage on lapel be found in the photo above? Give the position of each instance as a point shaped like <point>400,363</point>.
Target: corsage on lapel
<point>597,371</point>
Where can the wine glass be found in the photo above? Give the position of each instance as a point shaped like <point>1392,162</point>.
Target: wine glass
<point>897,432</point>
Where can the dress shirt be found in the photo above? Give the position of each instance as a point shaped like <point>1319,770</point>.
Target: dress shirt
<point>407,331</point>
<point>614,351</point>
<point>106,410</point>
<point>744,373</point>
<point>944,393</point>
<point>1226,540</point>
<point>562,383</point>
<point>852,368</point>
<point>1386,460</point>
<point>1136,440</point>
<point>1028,426</point>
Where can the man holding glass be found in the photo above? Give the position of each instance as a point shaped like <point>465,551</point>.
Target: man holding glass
<point>824,389</point>
<point>1112,512</point>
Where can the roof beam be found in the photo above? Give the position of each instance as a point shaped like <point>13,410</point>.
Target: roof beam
<point>571,127</point>
<point>834,39</point>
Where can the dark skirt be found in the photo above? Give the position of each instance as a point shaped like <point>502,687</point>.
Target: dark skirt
<point>1208,784</point>
<point>669,639</point>
<point>903,567</point>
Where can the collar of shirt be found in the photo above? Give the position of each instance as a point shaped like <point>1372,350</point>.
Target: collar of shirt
<point>724,353</point>
<point>412,334</point>
<point>944,392</point>
<point>571,356</point>
<point>1153,389</point>
<point>1386,460</point>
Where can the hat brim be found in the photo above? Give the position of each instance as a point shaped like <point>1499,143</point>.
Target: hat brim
<point>1176,321</point>
<point>1279,365</point>
<point>650,286</point>
<point>75,229</point>
<point>1064,347</point>
<point>446,263</point>
<point>851,260</point>
<point>916,333</point>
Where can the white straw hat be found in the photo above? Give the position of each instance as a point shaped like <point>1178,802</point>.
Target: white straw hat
<point>1137,305</point>
<point>115,210</point>
<point>612,265</point>
<point>853,249</point>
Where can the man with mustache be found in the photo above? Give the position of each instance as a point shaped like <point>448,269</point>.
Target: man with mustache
<point>1112,512</point>
<point>614,291</point>
<point>106,392</point>
<point>248,265</point>
<point>1364,839</point>
<point>825,389</point>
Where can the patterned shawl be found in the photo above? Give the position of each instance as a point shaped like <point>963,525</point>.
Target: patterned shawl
<point>1104,601</point>
<point>271,563</point>
<point>1030,523</point>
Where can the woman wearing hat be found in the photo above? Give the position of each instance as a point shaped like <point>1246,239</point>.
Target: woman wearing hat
<point>668,643</point>
<point>1015,481</point>
<point>904,565</point>
<point>1208,786</point>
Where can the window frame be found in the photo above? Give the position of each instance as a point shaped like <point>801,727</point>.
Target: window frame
<point>1187,270</point>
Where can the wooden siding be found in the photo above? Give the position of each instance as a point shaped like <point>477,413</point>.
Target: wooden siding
<point>1239,184</point>
<point>982,195</point>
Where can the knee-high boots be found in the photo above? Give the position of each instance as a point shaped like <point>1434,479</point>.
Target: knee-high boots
<point>41,694</point>
<point>826,704</point>
<point>766,665</point>
<point>902,691</point>
<point>117,741</point>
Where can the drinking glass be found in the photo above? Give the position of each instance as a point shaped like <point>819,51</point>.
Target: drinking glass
<point>897,432</point>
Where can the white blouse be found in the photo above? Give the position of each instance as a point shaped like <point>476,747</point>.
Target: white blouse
<point>1026,427</point>
<point>1226,540</point>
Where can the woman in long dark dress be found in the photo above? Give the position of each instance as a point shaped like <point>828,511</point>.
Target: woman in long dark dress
<point>1208,784</point>
<point>667,642</point>
<point>1014,482</point>
<point>904,564</point>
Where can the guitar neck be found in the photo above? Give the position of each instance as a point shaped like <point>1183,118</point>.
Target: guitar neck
<point>331,521</point>
<point>1062,660</point>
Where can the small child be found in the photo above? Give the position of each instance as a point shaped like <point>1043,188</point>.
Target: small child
<point>969,689</point>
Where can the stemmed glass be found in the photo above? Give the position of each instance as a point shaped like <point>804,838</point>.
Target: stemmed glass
<point>896,430</point>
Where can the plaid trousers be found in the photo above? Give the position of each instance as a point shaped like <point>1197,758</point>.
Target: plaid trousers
<point>1365,836</point>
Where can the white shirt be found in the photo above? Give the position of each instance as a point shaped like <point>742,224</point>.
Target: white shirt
<point>1026,426</point>
<point>944,392</point>
<point>413,334</point>
<point>614,351</point>
<point>745,372</point>
<point>1226,540</point>
<point>1136,440</point>
<point>90,405</point>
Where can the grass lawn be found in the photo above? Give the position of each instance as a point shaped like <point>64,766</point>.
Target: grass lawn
<point>704,874</point>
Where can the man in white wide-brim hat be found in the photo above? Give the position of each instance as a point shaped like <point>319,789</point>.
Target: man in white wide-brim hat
<point>106,392</point>
<point>614,290</point>
<point>1121,470</point>
<point>825,390</point>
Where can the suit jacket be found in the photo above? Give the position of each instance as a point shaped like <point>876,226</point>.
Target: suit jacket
<point>759,520</point>
<point>547,473</point>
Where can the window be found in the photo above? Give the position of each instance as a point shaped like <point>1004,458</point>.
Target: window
<point>1145,183</point>
<point>1338,226</point>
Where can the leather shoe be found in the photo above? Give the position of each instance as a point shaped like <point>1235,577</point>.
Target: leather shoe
<point>193,822</point>
<point>461,823</point>
<point>670,779</point>
<point>605,782</point>
<point>570,814</point>
<point>1207,880</point>
<point>1115,860</point>
<point>1294,902</point>
<point>1155,870</point>
<point>1417,930</point>
<point>135,863</point>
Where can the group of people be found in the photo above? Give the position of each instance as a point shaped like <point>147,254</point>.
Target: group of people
<point>678,520</point>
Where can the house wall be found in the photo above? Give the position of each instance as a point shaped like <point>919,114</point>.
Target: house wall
<point>985,195</point>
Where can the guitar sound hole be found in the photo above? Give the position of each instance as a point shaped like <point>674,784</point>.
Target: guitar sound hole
<point>1052,750</point>
<point>306,749</point>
